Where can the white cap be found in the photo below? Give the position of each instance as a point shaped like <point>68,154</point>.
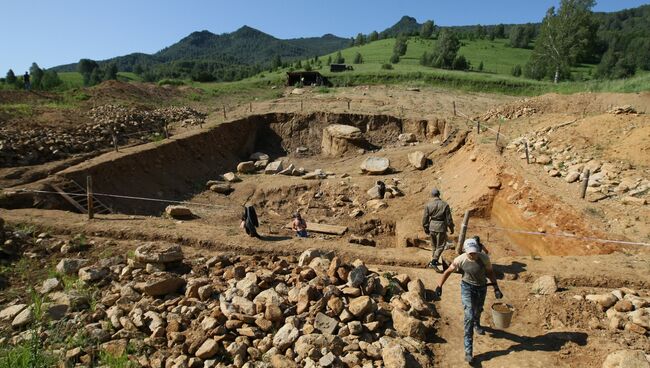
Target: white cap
<point>471,246</point>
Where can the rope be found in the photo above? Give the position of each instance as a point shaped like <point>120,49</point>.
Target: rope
<point>121,197</point>
<point>599,240</point>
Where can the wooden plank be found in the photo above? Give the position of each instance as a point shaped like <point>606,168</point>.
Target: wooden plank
<point>323,228</point>
<point>69,199</point>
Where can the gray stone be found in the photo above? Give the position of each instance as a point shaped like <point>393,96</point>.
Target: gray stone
<point>285,337</point>
<point>231,177</point>
<point>23,318</point>
<point>307,256</point>
<point>11,312</point>
<point>51,284</point>
<point>70,266</point>
<point>357,276</point>
<point>248,286</point>
<point>605,300</point>
<point>375,165</point>
<point>325,324</point>
<point>273,167</point>
<point>572,177</point>
<point>328,360</point>
<point>93,274</point>
<point>407,137</point>
<point>259,156</point>
<point>157,253</point>
<point>221,188</point>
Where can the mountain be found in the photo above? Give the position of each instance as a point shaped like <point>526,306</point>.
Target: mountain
<point>406,25</point>
<point>246,46</point>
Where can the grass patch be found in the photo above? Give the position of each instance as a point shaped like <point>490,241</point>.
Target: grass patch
<point>18,110</point>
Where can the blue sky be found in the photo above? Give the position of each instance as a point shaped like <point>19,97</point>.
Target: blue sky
<point>54,32</point>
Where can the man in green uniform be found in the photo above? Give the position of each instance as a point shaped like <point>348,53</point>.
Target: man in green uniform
<point>435,221</point>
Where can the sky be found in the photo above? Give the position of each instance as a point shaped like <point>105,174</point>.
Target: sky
<point>55,32</point>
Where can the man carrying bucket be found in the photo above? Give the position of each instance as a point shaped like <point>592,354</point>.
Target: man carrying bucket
<point>475,266</point>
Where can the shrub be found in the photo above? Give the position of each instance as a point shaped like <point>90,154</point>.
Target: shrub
<point>516,70</point>
<point>387,66</point>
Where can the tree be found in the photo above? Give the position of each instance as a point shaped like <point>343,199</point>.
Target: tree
<point>516,70</point>
<point>500,31</point>
<point>564,37</point>
<point>460,63</point>
<point>480,32</point>
<point>86,67</point>
<point>276,62</point>
<point>96,77</point>
<point>36,75</point>
<point>374,36</point>
<point>339,59</point>
<point>519,37</point>
<point>358,59</point>
<point>427,29</point>
<point>138,69</point>
<point>360,40</point>
<point>400,45</point>
<point>329,60</point>
<point>394,59</point>
<point>11,77</point>
<point>50,80</point>
<point>480,66</point>
<point>111,72</point>
<point>446,49</point>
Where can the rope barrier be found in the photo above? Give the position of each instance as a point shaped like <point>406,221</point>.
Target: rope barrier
<point>520,231</point>
<point>121,197</point>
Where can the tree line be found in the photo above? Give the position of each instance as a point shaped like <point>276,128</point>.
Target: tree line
<point>39,79</point>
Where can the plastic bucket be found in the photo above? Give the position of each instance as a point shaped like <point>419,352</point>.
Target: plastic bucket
<point>502,314</point>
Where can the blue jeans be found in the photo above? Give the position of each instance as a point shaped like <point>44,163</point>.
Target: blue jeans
<point>302,233</point>
<point>473,298</point>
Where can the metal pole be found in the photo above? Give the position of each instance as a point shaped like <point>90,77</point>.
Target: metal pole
<point>585,184</point>
<point>89,196</point>
<point>463,232</point>
<point>527,156</point>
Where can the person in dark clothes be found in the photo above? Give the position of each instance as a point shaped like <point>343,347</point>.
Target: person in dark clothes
<point>435,221</point>
<point>28,85</point>
<point>249,221</point>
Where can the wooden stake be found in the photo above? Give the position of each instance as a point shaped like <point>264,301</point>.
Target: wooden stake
<point>250,107</point>
<point>585,184</point>
<point>454,104</point>
<point>89,196</point>
<point>115,141</point>
<point>478,127</point>
<point>348,104</point>
<point>527,155</point>
<point>301,105</point>
<point>498,133</point>
<point>166,131</point>
<point>224,112</point>
<point>463,233</point>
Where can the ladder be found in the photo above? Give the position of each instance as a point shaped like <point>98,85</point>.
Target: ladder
<point>77,196</point>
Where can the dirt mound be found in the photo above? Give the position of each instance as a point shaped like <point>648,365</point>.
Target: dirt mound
<point>132,91</point>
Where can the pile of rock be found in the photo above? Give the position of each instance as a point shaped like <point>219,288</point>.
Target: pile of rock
<point>517,109</point>
<point>315,311</point>
<point>606,179</point>
<point>35,146</point>
<point>625,109</point>
<point>259,161</point>
<point>625,310</point>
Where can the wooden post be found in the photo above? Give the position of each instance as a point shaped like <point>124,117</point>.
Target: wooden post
<point>454,105</point>
<point>250,107</point>
<point>585,184</point>
<point>498,133</point>
<point>166,131</point>
<point>527,155</point>
<point>89,194</point>
<point>348,104</point>
<point>478,127</point>
<point>301,105</point>
<point>224,112</point>
<point>463,232</point>
<point>114,141</point>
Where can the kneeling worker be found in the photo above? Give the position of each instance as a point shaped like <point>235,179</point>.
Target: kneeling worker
<point>475,267</point>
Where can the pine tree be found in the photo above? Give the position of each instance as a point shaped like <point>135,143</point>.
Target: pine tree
<point>427,29</point>
<point>36,75</point>
<point>11,77</point>
<point>374,36</point>
<point>358,59</point>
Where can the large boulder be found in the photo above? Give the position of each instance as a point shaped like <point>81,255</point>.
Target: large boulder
<point>231,177</point>
<point>341,139</point>
<point>406,325</point>
<point>70,266</point>
<point>285,337</point>
<point>418,160</point>
<point>156,253</point>
<point>394,356</point>
<point>179,212</point>
<point>273,168</point>
<point>375,165</point>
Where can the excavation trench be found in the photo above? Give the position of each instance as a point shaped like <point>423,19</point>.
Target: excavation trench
<point>178,168</point>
